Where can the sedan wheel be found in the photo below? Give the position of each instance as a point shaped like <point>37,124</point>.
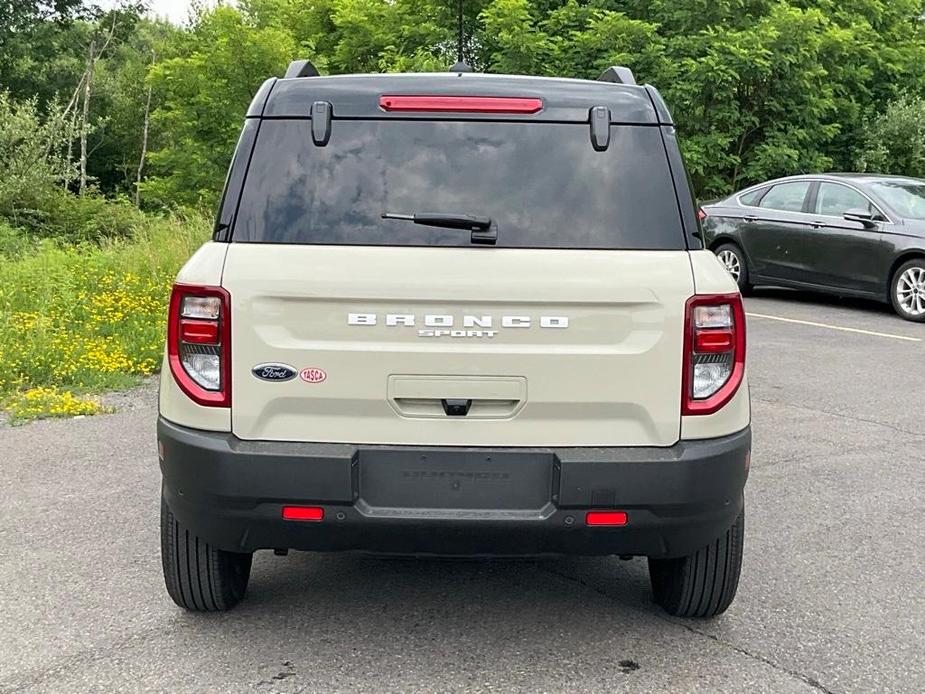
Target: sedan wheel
<point>908,291</point>
<point>733,260</point>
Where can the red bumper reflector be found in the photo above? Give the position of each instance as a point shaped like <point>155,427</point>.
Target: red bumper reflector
<point>606,518</point>
<point>199,332</point>
<point>303,513</point>
<point>461,104</point>
<point>712,341</point>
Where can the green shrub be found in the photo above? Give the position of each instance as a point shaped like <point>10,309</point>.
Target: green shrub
<point>34,154</point>
<point>895,141</point>
<point>78,219</point>
<point>35,170</point>
<point>13,242</point>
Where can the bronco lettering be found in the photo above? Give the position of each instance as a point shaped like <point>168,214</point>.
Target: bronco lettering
<point>445,325</point>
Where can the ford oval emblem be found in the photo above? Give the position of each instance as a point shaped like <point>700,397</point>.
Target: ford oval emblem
<point>312,375</point>
<point>274,372</point>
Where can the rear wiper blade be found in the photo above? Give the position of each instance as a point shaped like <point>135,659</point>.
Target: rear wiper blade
<point>446,221</point>
<point>483,231</point>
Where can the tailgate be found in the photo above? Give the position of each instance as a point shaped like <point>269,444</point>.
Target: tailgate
<point>457,346</point>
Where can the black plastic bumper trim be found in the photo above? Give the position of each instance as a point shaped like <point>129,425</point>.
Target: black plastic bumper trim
<point>230,492</point>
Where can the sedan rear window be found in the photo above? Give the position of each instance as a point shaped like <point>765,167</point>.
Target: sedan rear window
<point>542,185</point>
<point>787,197</point>
<point>752,197</point>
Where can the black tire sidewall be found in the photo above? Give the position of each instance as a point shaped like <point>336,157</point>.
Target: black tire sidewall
<point>702,584</point>
<point>213,580</point>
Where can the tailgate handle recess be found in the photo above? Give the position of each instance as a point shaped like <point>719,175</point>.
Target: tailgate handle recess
<point>455,407</point>
<point>473,397</point>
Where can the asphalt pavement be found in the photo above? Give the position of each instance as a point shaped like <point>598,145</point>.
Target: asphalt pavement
<point>832,596</point>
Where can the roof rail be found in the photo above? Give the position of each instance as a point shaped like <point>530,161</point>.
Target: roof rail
<point>301,68</point>
<point>618,75</point>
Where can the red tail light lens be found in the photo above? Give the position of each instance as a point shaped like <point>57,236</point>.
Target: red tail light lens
<point>711,341</point>
<point>701,214</point>
<point>461,104</point>
<point>199,343</point>
<point>714,352</point>
<point>204,332</point>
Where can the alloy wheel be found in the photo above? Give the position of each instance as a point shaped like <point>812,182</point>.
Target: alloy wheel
<point>910,291</point>
<point>730,261</point>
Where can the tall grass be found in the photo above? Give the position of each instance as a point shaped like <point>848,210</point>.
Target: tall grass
<point>90,317</point>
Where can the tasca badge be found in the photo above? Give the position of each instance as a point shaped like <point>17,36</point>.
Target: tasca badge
<point>274,372</point>
<point>313,375</point>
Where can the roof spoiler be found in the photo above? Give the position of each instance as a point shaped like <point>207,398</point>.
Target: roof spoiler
<point>616,74</point>
<point>301,68</point>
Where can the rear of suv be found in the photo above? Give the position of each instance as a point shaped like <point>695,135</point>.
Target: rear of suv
<point>455,314</point>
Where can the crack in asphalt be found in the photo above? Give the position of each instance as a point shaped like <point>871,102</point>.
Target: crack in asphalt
<point>806,679</point>
<point>811,681</point>
<point>757,469</point>
<point>840,415</point>
<point>33,676</point>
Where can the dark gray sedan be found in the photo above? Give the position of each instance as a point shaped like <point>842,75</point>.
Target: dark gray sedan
<point>849,234</point>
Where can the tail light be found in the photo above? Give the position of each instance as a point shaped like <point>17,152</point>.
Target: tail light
<point>701,214</point>
<point>714,352</point>
<point>199,343</point>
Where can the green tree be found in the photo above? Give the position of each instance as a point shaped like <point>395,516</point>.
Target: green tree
<point>20,20</point>
<point>756,101</point>
<point>895,141</point>
<point>205,90</point>
<point>34,156</point>
<point>120,104</point>
<point>759,88</point>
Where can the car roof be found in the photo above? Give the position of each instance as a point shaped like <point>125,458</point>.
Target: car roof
<point>357,96</point>
<point>834,177</point>
<point>872,178</point>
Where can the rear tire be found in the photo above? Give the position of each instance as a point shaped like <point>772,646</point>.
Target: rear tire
<point>907,290</point>
<point>733,259</point>
<point>199,577</point>
<point>704,583</point>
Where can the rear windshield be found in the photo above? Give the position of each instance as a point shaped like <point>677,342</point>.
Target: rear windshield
<point>542,185</point>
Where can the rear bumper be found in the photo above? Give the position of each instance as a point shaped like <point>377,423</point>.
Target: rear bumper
<point>447,501</point>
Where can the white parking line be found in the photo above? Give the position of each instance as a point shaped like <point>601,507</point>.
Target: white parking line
<point>834,327</point>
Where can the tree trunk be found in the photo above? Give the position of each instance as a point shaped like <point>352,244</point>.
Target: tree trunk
<point>738,166</point>
<point>144,140</point>
<point>75,97</point>
<point>85,118</point>
<point>68,121</point>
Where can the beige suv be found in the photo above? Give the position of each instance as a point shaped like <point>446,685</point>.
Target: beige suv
<point>455,314</point>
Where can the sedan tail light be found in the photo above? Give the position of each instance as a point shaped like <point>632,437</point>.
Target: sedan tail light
<point>199,343</point>
<point>714,352</point>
